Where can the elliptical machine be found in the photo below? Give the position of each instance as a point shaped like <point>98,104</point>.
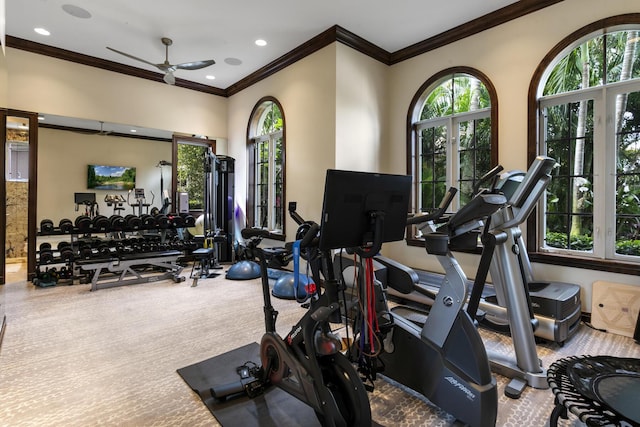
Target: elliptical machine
<point>445,359</point>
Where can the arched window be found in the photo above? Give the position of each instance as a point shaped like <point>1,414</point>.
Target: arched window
<point>588,118</point>
<point>452,135</point>
<point>266,146</point>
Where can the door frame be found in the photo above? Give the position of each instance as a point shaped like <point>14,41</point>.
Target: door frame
<point>32,197</point>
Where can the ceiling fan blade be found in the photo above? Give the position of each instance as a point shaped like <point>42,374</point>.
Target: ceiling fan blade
<point>169,78</point>
<point>132,57</point>
<point>196,65</point>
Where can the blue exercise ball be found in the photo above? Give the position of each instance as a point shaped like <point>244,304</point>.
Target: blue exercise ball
<point>284,287</point>
<point>243,270</point>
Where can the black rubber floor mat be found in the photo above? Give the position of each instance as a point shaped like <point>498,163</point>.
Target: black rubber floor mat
<point>272,408</point>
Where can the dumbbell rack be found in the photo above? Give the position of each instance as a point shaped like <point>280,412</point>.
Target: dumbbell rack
<point>86,258</point>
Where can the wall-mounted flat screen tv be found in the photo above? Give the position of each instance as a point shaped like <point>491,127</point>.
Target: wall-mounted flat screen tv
<point>101,177</point>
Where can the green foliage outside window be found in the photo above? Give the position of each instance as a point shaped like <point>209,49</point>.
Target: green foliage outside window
<point>191,173</point>
<point>456,96</point>
<point>602,60</point>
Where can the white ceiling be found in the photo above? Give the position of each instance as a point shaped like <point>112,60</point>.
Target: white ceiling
<point>226,30</point>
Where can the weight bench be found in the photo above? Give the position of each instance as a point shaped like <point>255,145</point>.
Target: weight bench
<point>205,260</point>
<point>132,269</point>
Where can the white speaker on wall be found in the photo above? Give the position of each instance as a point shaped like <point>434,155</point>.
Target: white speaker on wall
<point>183,202</point>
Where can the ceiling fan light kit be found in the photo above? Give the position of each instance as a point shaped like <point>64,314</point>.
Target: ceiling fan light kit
<point>166,67</point>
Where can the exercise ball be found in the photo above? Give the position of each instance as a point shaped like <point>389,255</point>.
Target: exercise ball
<point>243,270</point>
<point>284,287</point>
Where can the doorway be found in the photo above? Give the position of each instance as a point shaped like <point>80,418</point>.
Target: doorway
<point>19,130</point>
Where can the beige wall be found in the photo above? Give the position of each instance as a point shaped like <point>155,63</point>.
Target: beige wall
<point>361,111</point>
<point>307,93</point>
<point>63,157</point>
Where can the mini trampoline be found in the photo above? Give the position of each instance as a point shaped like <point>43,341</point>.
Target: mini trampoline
<point>599,390</point>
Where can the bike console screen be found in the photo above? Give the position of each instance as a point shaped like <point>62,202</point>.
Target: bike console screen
<point>355,201</point>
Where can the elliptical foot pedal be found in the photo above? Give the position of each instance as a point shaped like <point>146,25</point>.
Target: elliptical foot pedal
<point>515,388</point>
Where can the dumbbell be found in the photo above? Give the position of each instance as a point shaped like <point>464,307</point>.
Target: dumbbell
<point>176,220</point>
<point>189,220</point>
<point>66,225</point>
<point>133,222</point>
<point>85,251</point>
<point>104,250</point>
<point>66,251</point>
<point>148,221</point>
<point>83,223</point>
<point>101,223</point>
<point>46,226</point>
<point>162,221</point>
<point>117,222</point>
<point>46,253</point>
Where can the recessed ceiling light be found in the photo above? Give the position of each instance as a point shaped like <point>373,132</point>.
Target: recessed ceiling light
<point>42,31</point>
<point>261,42</point>
<point>134,130</point>
<point>41,118</point>
<point>232,61</point>
<point>76,11</point>
<point>210,77</point>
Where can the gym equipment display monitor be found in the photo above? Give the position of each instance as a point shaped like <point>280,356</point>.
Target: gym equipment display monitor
<point>101,177</point>
<point>350,201</point>
<point>84,198</point>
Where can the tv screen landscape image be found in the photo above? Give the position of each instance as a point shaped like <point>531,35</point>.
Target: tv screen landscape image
<point>100,177</point>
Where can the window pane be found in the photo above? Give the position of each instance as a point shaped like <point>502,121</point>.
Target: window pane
<point>628,174</point>
<point>439,102</point>
<point>623,55</point>
<point>469,94</point>
<point>569,140</point>
<point>583,67</point>
<point>433,161</point>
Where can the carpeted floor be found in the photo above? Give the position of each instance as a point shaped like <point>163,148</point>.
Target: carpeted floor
<point>72,357</point>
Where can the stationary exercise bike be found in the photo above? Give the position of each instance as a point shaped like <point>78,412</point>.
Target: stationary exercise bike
<point>307,362</point>
<point>445,359</point>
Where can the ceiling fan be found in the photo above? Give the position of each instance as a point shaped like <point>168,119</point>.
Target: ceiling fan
<point>166,67</point>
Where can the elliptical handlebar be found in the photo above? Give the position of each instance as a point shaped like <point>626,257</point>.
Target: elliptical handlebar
<point>492,174</point>
<point>442,208</point>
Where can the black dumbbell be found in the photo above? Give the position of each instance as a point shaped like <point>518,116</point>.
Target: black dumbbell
<point>46,254</point>
<point>104,250</point>
<point>189,220</point>
<point>85,251</point>
<point>117,223</point>
<point>176,220</point>
<point>133,222</point>
<point>66,225</point>
<point>162,221</point>
<point>83,224</point>
<point>46,226</point>
<point>101,223</point>
<point>67,254</point>
<point>148,221</point>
